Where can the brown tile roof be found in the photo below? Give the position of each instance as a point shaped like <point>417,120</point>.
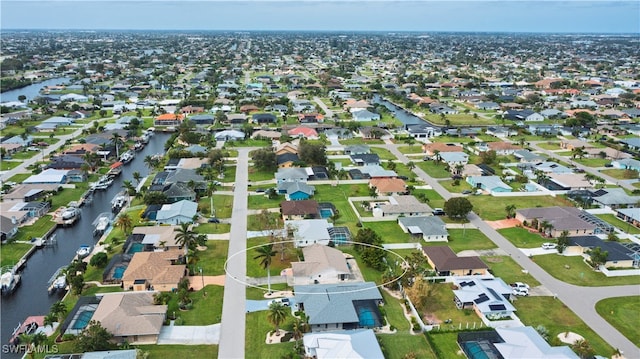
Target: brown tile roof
<point>155,267</point>
<point>319,258</point>
<point>388,185</point>
<point>129,314</point>
<point>446,260</point>
<point>498,146</point>
<point>430,148</point>
<point>300,208</point>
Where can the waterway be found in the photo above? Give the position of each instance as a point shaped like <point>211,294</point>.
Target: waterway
<point>32,91</point>
<point>404,116</point>
<point>31,297</point>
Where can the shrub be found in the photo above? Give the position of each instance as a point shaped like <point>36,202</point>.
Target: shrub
<point>99,260</point>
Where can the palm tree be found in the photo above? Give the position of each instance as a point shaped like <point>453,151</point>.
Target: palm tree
<point>49,319</point>
<point>128,186</point>
<point>411,165</point>
<point>187,238</point>
<point>511,210</point>
<point>211,188</point>
<point>137,176</point>
<point>578,152</point>
<point>59,310</point>
<point>117,141</point>
<point>151,162</point>
<point>265,253</point>
<point>31,341</point>
<point>125,223</point>
<point>299,328</point>
<point>277,314</point>
<point>436,156</point>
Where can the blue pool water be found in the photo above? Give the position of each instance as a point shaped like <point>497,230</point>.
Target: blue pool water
<point>366,318</point>
<point>326,213</point>
<point>82,319</point>
<point>118,272</point>
<point>474,351</point>
<point>135,248</point>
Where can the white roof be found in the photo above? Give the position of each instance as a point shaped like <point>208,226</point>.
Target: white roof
<point>356,344</point>
<point>48,176</point>
<point>525,342</point>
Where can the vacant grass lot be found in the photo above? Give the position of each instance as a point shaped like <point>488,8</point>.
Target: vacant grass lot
<point>19,177</point>
<point>463,239</point>
<point>557,318</point>
<point>213,228</point>
<point>493,208</point>
<point>592,162</point>
<point>360,141</point>
<point>405,345</point>
<point>434,199</point>
<point>434,169</point>
<point>622,225</point>
<point>9,165</point>
<point>256,333</point>
<point>578,272</point>
<point>446,345</point>
<point>551,146</point>
<point>449,185</point>
<point>262,202</point>
<point>256,175</point>
<point>212,259</point>
<point>11,253</point>
<point>256,222</point>
<point>621,174</point>
<point>622,313</point>
<point>522,238</point>
<point>390,232</point>
<point>38,229</point>
<point>383,153</point>
<point>509,270</point>
<point>254,269</point>
<point>411,149</point>
<point>460,119</point>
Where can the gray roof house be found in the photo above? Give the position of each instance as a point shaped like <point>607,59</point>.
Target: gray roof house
<point>490,184</point>
<point>454,158</point>
<point>430,228</point>
<point>178,191</point>
<point>527,156</point>
<point>357,150</point>
<point>365,115</point>
<point>488,297</point>
<point>352,344</point>
<point>340,306</point>
<point>229,135</point>
<point>307,232</point>
<point>614,198</point>
<point>406,206</point>
<point>627,163</point>
<point>295,191</point>
<point>176,213</point>
<point>367,159</point>
<point>293,174</point>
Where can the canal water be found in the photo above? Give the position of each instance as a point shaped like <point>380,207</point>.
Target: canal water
<point>406,117</point>
<point>31,298</point>
<point>32,91</point>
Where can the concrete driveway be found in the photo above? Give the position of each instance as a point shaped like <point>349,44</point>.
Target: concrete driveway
<point>190,334</point>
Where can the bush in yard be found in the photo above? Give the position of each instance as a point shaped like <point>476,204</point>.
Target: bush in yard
<point>99,260</point>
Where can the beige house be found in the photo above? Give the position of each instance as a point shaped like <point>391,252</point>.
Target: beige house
<point>154,271</point>
<point>322,264</point>
<point>131,317</point>
<point>559,219</point>
<point>160,237</point>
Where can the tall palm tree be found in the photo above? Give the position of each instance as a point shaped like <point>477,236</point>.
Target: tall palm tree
<point>125,223</point>
<point>137,176</point>
<point>299,328</point>
<point>128,186</point>
<point>117,141</point>
<point>436,156</point>
<point>277,314</point>
<point>186,238</point>
<point>265,253</point>
<point>59,310</point>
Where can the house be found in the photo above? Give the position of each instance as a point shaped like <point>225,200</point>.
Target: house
<point>236,119</point>
<point>67,162</point>
<point>263,118</point>
<point>179,212</point>
<point>388,186</point>
<point>202,119</point>
<point>309,231</point>
<point>353,344</point>
<point>338,133</point>
<point>294,174</point>
<point>367,159</point>
<point>48,176</point>
<point>229,135</point>
<point>77,176</point>
<point>453,159</point>
<point>82,149</point>
<point>423,131</point>
<point>310,118</point>
<point>286,160</point>
<point>365,115</point>
<point>322,265</point>
<point>168,119</point>
<point>489,298</point>
<point>567,181</point>
<point>156,237</point>
<point>487,106</point>
<point>633,143</point>
<point>296,191</point>
<point>503,148</point>
<point>296,210</point>
<point>431,149</point>
<point>340,306</point>
<point>154,270</point>
<point>357,150</point>
<point>573,144</point>
<point>501,132</point>
<point>526,156</point>
<point>614,198</point>
<point>377,171</point>
<point>429,228</point>
<point>511,343</point>
<point>447,263</point>
<point>551,167</point>
<point>304,132</point>
<point>560,219</point>
<point>178,191</point>
<point>618,255</point>
<point>552,113</point>
<point>522,115</point>
<point>439,108</point>
<point>8,227</point>
<point>629,215</point>
<point>286,147</point>
<point>353,105</point>
<point>402,206</point>
<point>627,164</point>
<point>266,134</point>
<point>369,132</point>
<point>491,184</point>
<point>131,317</point>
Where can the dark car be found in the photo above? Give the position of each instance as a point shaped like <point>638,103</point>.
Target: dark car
<point>213,220</point>
<point>467,191</point>
<point>404,178</point>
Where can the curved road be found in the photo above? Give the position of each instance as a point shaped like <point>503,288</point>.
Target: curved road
<point>581,300</point>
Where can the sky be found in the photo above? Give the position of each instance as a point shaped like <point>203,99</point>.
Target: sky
<point>543,16</point>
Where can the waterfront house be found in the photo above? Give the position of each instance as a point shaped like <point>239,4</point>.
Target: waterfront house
<point>168,119</point>
<point>48,176</point>
<point>154,271</point>
<point>179,212</point>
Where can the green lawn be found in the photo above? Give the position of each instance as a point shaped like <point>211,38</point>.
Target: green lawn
<point>360,141</point>
<point>493,208</point>
<point>389,231</point>
<point>338,197</point>
<point>261,201</point>
<point>395,313</point>
<point>509,270</point>
<point>434,198</point>
<point>212,260</point>
<point>255,175</point>
<point>9,165</point>
<point>207,309</point>
<point>222,203</point>
<point>462,185</point>
<point>434,169</point>
<point>578,272</point>
<point>255,222</point>
<point>248,143</point>
<point>179,351</point>
<point>557,318</point>
<point>411,149</point>
<point>213,228</point>
<point>622,225</point>
<point>622,313</point>
<point>401,345</point>
<point>592,162</point>
<point>257,327</point>
<point>67,195</point>
<point>229,174</point>
<point>445,345</point>
<point>254,269</point>
<point>551,146</point>
<point>11,253</point>
<point>522,238</point>
<point>384,154</point>
<point>621,174</point>
<point>460,119</point>
<point>453,139</point>
<point>463,239</point>
<point>24,155</point>
<point>19,177</point>
<point>38,229</point>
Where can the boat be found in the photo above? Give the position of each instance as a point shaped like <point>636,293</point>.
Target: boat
<point>138,146</point>
<point>70,213</point>
<point>57,282</point>
<point>102,184</point>
<point>127,157</point>
<point>28,326</point>
<point>118,203</point>
<point>102,223</point>
<point>9,281</point>
<point>83,251</point>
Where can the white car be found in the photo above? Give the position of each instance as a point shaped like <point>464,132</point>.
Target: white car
<point>549,245</point>
<point>520,285</point>
<point>283,301</point>
<point>520,292</point>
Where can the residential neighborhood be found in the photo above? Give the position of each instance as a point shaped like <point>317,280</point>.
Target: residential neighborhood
<point>320,195</point>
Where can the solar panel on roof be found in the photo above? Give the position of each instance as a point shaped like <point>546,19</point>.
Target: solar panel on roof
<point>481,299</point>
<point>494,294</point>
<point>497,307</point>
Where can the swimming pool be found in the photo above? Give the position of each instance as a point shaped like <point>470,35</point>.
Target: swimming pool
<point>135,248</point>
<point>474,350</point>
<point>82,319</point>
<point>366,317</point>
<point>326,213</point>
<point>118,272</point>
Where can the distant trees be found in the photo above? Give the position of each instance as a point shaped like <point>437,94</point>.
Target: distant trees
<point>488,157</point>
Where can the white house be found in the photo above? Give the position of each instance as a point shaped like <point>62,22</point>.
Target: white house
<point>176,213</point>
<point>307,232</point>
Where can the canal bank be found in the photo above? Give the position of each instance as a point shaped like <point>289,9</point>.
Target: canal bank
<point>32,91</point>
<point>32,298</point>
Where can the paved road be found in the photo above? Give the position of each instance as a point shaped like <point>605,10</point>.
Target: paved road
<point>232,334</point>
<point>581,300</point>
<point>587,169</point>
<point>328,112</point>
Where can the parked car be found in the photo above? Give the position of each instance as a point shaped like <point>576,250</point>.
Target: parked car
<point>438,212</point>
<point>467,191</point>
<point>548,245</point>
<point>260,190</point>
<point>283,301</point>
<point>608,165</point>
<point>213,220</point>
<point>520,285</point>
<point>520,292</point>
